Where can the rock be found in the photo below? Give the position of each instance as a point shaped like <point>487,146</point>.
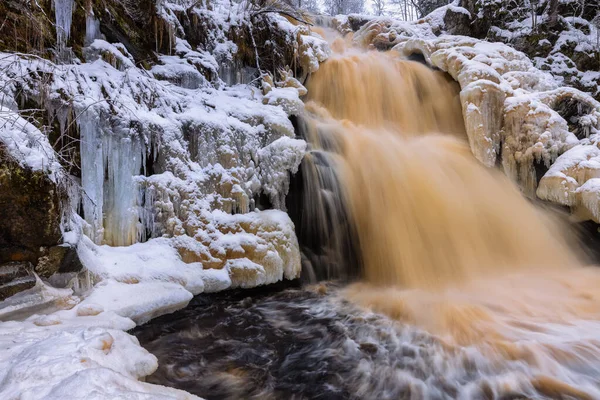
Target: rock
<point>459,23</point>
<point>369,348</point>
<point>31,212</point>
<point>15,277</point>
<point>14,270</point>
<point>49,264</point>
<point>58,259</point>
<point>356,21</point>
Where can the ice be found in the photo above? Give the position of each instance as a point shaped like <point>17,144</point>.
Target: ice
<point>284,154</point>
<point>86,357</point>
<point>63,11</point>
<point>92,174</point>
<point>140,301</point>
<point>123,159</point>
<point>92,28</point>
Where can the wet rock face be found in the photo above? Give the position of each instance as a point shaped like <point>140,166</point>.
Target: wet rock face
<point>31,213</point>
<point>30,233</point>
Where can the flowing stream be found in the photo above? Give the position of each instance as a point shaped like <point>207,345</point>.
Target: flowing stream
<point>463,289</point>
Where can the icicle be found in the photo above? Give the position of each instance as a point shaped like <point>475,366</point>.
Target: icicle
<point>92,28</point>
<point>147,227</point>
<point>123,160</point>
<point>63,12</point>
<point>92,173</point>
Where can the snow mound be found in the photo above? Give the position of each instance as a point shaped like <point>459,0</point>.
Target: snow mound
<point>77,357</point>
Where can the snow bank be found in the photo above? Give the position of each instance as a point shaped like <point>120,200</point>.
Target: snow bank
<point>27,144</point>
<point>76,357</point>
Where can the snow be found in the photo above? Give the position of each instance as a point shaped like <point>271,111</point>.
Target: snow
<point>573,179</point>
<point>284,154</point>
<point>116,54</point>
<point>79,357</point>
<point>140,301</point>
<point>27,144</point>
<point>576,38</point>
<point>287,98</point>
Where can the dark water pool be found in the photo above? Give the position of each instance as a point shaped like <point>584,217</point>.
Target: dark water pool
<point>288,342</point>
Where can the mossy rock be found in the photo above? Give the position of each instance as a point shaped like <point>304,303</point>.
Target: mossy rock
<point>26,29</point>
<point>32,209</point>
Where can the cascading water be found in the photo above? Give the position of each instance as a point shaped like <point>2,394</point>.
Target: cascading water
<point>445,243</point>
<point>486,298</point>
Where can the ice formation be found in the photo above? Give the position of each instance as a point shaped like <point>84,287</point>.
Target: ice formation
<point>63,11</point>
<point>77,355</point>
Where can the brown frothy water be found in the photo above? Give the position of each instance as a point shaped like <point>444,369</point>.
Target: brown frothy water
<point>447,244</point>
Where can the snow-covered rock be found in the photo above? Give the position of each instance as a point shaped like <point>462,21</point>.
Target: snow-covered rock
<point>66,355</point>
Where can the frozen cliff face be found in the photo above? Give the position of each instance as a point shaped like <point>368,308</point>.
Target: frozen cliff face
<point>515,114</point>
<point>175,149</point>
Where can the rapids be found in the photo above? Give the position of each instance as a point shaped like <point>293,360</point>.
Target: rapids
<point>486,295</point>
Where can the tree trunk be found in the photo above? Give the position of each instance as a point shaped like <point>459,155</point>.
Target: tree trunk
<point>553,13</point>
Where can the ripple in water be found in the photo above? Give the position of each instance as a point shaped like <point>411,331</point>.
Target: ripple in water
<point>312,344</point>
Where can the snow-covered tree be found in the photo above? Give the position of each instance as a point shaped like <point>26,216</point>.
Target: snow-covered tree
<point>404,9</point>
<point>334,7</point>
<point>422,7</point>
<point>307,5</point>
<point>379,7</point>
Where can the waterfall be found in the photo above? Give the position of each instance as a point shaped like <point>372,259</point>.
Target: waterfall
<point>444,243</point>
